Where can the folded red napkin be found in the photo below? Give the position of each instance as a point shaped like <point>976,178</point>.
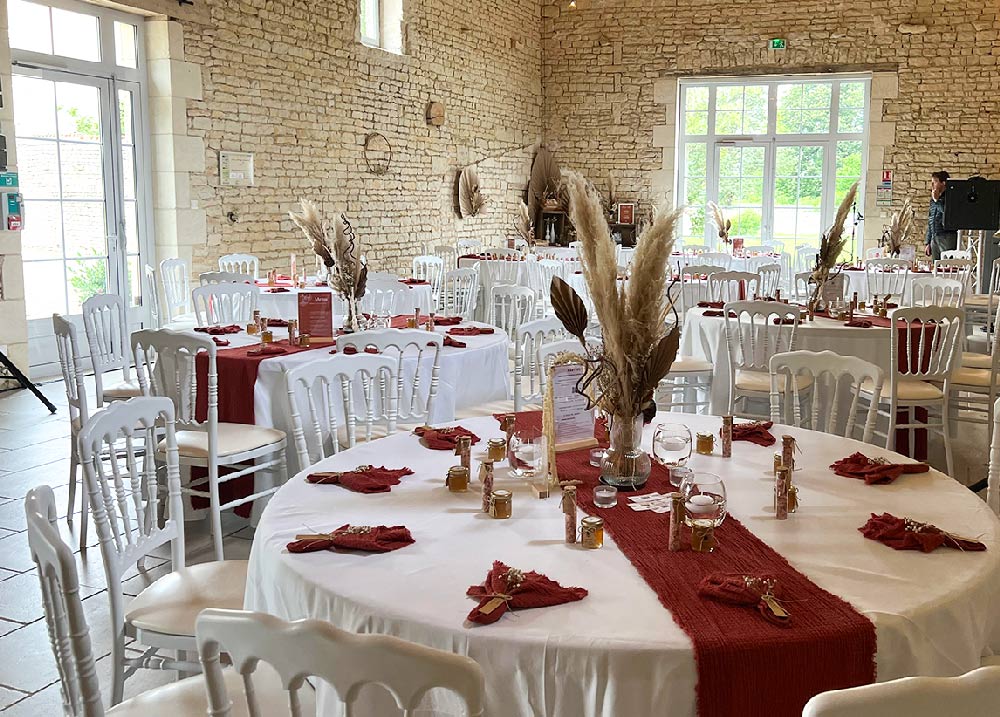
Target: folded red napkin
<point>447,320</point>
<point>220,342</point>
<point>443,439</point>
<point>710,304</point>
<point>277,322</point>
<point>874,471</point>
<point>859,324</point>
<point>219,330</point>
<point>266,350</point>
<point>756,432</point>
<point>278,290</point>
<point>909,534</point>
<point>414,282</point>
<point>508,588</point>
<point>454,343</point>
<point>713,312</point>
<point>471,330</point>
<point>759,591</point>
<point>783,321</point>
<point>371,539</point>
<point>363,479</point>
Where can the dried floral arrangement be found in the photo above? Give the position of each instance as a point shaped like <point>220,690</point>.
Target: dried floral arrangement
<point>523,224</point>
<point>544,184</point>
<point>638,348</point>
<point>832,245</point>
<point>341,256</point>
<point>722,224</point>
<point>471,200</point>
<point>898,231</point>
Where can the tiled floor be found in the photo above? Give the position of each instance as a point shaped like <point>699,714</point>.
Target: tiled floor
<point>34,449</point>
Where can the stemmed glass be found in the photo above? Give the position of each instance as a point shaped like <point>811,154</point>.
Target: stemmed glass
<point>672,444</point>
<point>704,500</point>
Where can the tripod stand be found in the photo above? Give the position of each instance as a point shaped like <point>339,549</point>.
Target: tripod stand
<point>16,375</point>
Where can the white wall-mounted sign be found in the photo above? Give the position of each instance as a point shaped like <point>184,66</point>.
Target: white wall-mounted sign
<point>236,169</point>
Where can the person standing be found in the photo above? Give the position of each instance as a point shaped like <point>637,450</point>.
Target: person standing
<point>938,239</point>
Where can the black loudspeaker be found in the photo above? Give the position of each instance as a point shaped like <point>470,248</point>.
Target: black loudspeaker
<point>972,204</point>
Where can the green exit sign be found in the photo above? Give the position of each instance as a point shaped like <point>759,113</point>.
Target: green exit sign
<point>778,43</point>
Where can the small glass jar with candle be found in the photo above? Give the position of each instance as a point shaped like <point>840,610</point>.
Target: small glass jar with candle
<point>596,456</point>
<point>605,496</point>
<point>705,443</point>
<point>592,532</point>
<point>500,504</point>
<point>497,449</point>
<point>458,479</point>
<point>266,336</point>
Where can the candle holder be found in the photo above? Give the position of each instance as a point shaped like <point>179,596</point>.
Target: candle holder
<point>458,479</point>
<point>500,504</point>
<point>605,496</point>
<point>592,532</point>
<point>705,444</point>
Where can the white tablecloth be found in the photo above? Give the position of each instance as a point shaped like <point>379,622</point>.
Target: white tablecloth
<point>285,304</point>
<point>618,651</point>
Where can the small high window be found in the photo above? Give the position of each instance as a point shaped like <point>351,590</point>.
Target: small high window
<point>380,23</point>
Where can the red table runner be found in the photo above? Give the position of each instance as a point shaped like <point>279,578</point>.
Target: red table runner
<point>746,665</point>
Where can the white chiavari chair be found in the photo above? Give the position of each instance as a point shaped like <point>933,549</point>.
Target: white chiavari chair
<point>693,281</point>
<point>758,331</point>
<point>125,492</point>
<point>721,259</point>
<point>695,249</point>
<point>511,306</point>
<point>924,346</point>
<point>430,269</point>
<point>415,351</point>
<point>223,277</point>
<point>805,259</point>
<point>71,368</point>
<point>176,280</point>
<point>802,288</point>
<point>687,386</point>
<point>936,291</point>
<point>151,294</point>
<point>625,257</point>
<point>963,270</point>
<point>757,249</point>
<point>993,477</point>
<point>459,293</point>
<point>329,392</point>
<point>380,296</point>
<point>224,304</point>
<point>168,365</point>
<point>502,252</point>
<point>498,272</point>
<point>887,277</point>
<point>448,255</point>
<point>549,351</point>
<point>240,264</point>
<point>69,634</point>
<point>106,322</point>
<point>468,246</point>
<point>729,286</point>
<point>833,383</point>
<point>963,254</point>
<point>974,694</point>
<point>768,280</point>
<point>345,661</point>
<point>981,310</point>
<point>974,389</point>
<point>540,275</point>
<point>529,378</point>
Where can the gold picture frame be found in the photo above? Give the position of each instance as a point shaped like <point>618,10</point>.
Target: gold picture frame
<point>548,420</point>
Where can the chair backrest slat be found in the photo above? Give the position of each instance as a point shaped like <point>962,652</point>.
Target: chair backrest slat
<point>528,341</point>
<point>758,331</point>
<point>733,285</point>
<point>240,264</point>
<point>511,306</point>
<point>176,279</point>
<point>931,342</point>
<point>71,368</point>
<point>459,292</point>
<point>106,322</point>
<point>224,304</point>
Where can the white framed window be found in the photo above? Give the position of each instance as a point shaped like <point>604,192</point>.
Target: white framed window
<point>776,153</point>
<point>380,24</point>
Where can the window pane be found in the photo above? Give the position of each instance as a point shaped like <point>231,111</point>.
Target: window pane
<point>84,229</point>
<point>125,54</point>
<point>729,98</point>
<point>44,292</point>
<point>79,110</point>
<point>28,26</point>
<point>816,95</point>
<point>128,172</point>
<point>134,281</point>
<point>695,122</point>
<point>82,171</point>
<point>696,98</point>
<point>851,120</point>
<point>755,110</point>
<point>849,160</point>
<point>41,238</point>
<point>814,121</point>
<point>852,94</point>
<point>728,122</point>
<point>75,34</point>
<point>86,279</point>
<point>370,20</point>
<point>125,115</point>
<point>694,160</point>
<point>695,167</point>
<point>131,228</point>
<point>39,165</point>
<point>34,107</point>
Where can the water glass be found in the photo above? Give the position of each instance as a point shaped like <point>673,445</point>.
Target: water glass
<point>671,444</point>
<point>529,455</point>
<point>704,500</point>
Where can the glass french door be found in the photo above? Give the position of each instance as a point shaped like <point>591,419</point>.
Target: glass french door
<point>76,139</point>
<point>798,208</point>
<point>742,176</point>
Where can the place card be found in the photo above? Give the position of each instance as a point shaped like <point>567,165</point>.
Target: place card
<point>316,314</point>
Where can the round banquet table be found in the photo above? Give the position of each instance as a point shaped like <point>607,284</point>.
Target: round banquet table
<point>618,651</point>
<point>285,304</point>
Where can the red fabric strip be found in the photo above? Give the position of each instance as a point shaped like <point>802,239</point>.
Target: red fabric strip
<point>746,665</point>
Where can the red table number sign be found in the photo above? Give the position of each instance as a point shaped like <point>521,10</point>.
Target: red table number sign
<point>316,315</point>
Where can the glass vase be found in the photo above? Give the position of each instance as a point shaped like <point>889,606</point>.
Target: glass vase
<point>352,322</point>
<point>625,465</point>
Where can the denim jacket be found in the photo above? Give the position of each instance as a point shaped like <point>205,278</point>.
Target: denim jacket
<point>935,220</point>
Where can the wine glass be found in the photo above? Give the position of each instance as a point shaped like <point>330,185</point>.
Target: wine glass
<point>672,444</point>
<point>704,500</point>
<point>529,454</point>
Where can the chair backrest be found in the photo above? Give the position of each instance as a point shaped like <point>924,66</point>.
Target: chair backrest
<point>328,389</point>
<point>993,480</point>
<point>963,270</point>
<point>344,660</point>
<point>951,254</point>
<point>468,246</point>
<point>167,365</point>
<point>548,352</point>
<point>105,321</point>
<point>890,263</point>
<point>448,254</point>
<point>429,268</point>
<point>733,285</point>
<point>176,280</point>
<point>379,298</point>
<point>692,287</point>
<point>695,248</point>
<point>936,291</point>
<point>499,272</point>
<point>118,452</point>
<point>224,277</point>
<point>801,286</point>
<point>758,332</point>
<point>721,259</point>
<point>224,304</point>
<point>925,342</point>
<point>459,292</point>
<point>805,258</point>
<point>529,378</point>
<point>240,264</point>
<point>69,635</point>
<point>151,294</point>
<point>974,694</point>
<point>751,249</point>
<point>416,351</point>
<point>71,368</point>
<point>511,306</point>
<point>768,279</point>
<point>625,256</point>
<point>539,279</point>
<point>833,380</point>
<point>886,276</point>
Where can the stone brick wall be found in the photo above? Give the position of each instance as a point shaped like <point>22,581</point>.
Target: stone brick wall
<point>287,80</point>
<point>604,61</point>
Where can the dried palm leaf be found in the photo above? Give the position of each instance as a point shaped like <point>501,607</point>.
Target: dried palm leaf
<point>899,229</point>
<point>471,199</point>
<point>832,244</point>
<point>523,224</point>
<point>660,360</point>
<point>569,307</point>
<point>722,224</point>
<point>315,229</point>
<point>544,182</point>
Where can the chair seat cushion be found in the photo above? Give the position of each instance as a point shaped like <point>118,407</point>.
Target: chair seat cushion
<point>970,360</point>
<point>980,300</point>
<point>123,389</point>
<point>906,390</point>
<point>761,382</point>
<point>686,364</point>
<point>965,376</point>
<point>171,604</point>
<point>233,438</point>
<point>188,697</point>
